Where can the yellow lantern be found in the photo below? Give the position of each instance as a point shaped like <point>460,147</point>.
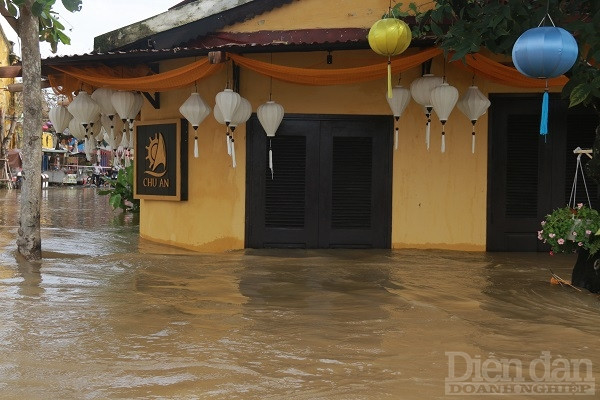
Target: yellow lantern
<point>389,37</point>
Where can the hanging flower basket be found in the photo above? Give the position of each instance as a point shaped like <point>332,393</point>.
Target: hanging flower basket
<point>568,230</point>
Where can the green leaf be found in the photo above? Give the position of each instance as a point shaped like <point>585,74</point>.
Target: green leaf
<point>72,5</point>
<point>37,8</point>
<point>435,28</point>
<point>116,201</point>
<point>579,94</point>
<point>63,38</point>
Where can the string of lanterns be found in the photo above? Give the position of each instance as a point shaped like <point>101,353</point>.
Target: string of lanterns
<point>434,94</point>
<point>231,110</point>
<point>543,52</point>
<point>87,115</point>
<point>390,36</point>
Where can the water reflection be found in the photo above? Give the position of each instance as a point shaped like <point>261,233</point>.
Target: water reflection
<point>107,315</point>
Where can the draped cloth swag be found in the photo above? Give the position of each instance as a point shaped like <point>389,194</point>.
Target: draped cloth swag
<point>69,79</point>
<point>112,78</point>
<point>340,76</point>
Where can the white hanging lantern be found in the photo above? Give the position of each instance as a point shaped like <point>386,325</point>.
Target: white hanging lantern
<point>136,107</point>
<point>228,101</point>
<point>124,144</point>
<point>473,104</point>
<point>76,129</point>
<point>420,89</point>
<point>398,103</point>
<point>443,99</point>
<point>270,116</point>
<point>138,102</point>
<point>103,96</point>
<point>95,128</point>
<point>111,126</point>
<point>195,110</point>
<point>84,109</point>
<point>123,102</point>
<point>60,118</point>
<point>240,116</point>
<point>219,117</point>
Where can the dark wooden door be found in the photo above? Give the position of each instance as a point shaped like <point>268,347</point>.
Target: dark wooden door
<point>530,175</point>
<point>331,184</point>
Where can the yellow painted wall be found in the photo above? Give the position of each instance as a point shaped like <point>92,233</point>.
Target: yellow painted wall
<point>5,95</point>
<point>213,217</point>
<point>439,200</point>
<point>308,14</point>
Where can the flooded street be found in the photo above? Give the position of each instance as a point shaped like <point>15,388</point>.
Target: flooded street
<point>108,315</point>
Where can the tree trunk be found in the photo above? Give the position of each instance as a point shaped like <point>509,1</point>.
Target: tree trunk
<point>29,242</point>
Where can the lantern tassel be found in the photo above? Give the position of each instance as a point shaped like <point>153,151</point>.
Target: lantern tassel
<point>443,137</point>
<point>473,138</point>
<point>233,163</point>
<point>131,135</point>
<point>195,146</point>
<point>544,120</point>
<point>271,159</point>
<point>428,126</point>
<point>443,143</point>
<point>389,81</point>
<point>396,139</point>
<point>228,144</point>
<point>427,134</point>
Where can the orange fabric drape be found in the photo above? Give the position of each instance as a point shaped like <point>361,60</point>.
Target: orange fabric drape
<point>173,79</point>
<point>496,72</point>
<point>478,64</point>
<point>341,76</point>
<point>71,77</point>
<point>66,84</point>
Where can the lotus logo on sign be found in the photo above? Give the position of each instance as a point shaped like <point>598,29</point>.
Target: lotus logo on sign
<point>162,158</point>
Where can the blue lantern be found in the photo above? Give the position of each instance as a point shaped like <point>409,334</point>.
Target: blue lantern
<point>544,52</point>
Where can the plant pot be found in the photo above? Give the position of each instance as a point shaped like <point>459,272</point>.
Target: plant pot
<point>586,273</point>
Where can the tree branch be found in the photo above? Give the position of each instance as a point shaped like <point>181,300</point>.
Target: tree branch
<point>12,21</point>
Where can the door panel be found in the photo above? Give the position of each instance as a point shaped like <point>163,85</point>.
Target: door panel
<point>330,172</point>
<point>528,173</point>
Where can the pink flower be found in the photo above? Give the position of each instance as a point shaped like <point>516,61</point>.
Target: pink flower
<point>540,235</point>
<point>574,233</point>
<point>543,223</point>
<point>579,205</point>
<point>580,244</point>
<point>561,241</point>
<point>551,253</point>
<point>551,235</point>
<point>588,232</point>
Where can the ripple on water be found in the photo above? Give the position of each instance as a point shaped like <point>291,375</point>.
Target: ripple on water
<point>106,315</point>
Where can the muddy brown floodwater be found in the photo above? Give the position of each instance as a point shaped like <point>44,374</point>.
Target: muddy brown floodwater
<point>107,315</point>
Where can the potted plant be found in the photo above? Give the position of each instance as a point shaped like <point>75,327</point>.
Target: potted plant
<point>576,230</point>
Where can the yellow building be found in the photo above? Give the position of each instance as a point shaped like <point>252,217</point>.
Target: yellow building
<point>339,179</point>
<point>7,76</point>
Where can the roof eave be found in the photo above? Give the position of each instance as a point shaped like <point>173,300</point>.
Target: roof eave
<point>181,24</point>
